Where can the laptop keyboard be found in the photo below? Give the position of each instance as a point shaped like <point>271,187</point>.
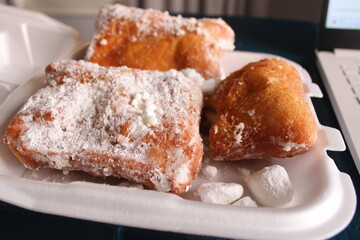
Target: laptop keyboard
<point>351,70</point>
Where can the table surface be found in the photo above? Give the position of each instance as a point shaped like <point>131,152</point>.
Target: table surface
<point>290,39</point>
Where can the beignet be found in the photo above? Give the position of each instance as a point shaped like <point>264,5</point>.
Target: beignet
<point>122,122</point>
<point>153,40</point>
<point>261,112</point>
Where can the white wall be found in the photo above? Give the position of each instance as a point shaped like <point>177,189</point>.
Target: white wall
<point>306,10</point>
<point>81,14</point>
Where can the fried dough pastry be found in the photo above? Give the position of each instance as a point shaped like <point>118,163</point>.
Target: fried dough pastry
<point>261,112</point>
<point>122,122</point>
<point>154,40</point>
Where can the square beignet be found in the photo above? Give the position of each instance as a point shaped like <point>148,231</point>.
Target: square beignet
<point>122,122</point>
<point>154,40</point>
<point>261,112</point>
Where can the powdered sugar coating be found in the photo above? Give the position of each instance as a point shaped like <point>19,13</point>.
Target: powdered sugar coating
<point>72,119</point>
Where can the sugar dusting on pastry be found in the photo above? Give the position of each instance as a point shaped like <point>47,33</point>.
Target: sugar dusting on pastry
<point>115,113</point>
<point>135,37</point>
<point>261,111</point>
<point>176,25</point>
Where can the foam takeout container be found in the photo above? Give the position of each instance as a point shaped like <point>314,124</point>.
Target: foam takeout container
<point>324,199</point>
<point>28,42</point>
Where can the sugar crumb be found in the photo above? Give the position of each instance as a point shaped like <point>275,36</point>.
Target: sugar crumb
<point>209,171</point>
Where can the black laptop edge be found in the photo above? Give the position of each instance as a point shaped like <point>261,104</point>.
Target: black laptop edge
<point>328,39</point>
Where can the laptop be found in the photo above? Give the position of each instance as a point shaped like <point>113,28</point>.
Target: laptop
<point>338,60</point>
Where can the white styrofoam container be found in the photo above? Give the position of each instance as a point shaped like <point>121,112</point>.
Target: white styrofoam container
<point>323,204</point>
<point>28,42</point>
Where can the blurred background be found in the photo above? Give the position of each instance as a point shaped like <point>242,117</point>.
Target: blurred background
<point>81,14</point>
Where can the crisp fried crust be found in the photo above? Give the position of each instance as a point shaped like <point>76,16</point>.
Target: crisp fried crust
<point>139,125</point>
<point>261,112</point>
<point>154,40</point>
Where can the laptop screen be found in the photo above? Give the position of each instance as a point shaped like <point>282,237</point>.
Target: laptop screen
<point>343,14</point>
<point>340,25</point>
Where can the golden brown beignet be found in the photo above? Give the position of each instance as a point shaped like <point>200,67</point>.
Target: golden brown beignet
<point>261,112</point>
<point>154,40</point>
<point>122,122</point>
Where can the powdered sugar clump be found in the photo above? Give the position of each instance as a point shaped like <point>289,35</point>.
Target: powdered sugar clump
<point>103,42</point>
<point>209,171</point>
<point>238,132</point>
<point>219,192</point>
<point>288,145</point>
<point>271,186</point>
<point>245,202</point>
<point>244,171</point>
